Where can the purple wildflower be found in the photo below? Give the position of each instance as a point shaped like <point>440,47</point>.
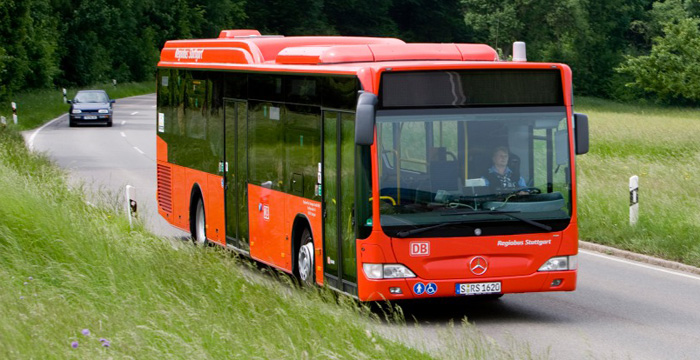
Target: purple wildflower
<point>105,344</point>
<point>26,283</point>
<point>86,332</point>
<point>74,344</point>
<point>31,278</point>
<point>21,297</point>
<point>103,340</point>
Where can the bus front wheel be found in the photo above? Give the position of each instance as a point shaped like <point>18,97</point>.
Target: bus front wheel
<point>305,258</point>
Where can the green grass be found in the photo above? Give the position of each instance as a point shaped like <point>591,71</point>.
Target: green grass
<point>35,107</point>
<point>661,146</point>
<point>66,265</point>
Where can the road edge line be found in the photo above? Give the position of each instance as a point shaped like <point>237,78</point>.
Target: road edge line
<point>668,264</point>
<point>30,141</point>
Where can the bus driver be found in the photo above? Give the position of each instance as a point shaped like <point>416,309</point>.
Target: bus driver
<point>500,176</point>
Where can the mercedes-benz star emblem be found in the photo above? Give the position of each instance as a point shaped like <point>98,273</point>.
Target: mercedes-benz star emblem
<point>478,265</point>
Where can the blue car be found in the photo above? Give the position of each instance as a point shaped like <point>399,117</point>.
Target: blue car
<point>90,107</point>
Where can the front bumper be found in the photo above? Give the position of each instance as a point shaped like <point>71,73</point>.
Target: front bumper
<point>378,290</point>
<point>90,118</point>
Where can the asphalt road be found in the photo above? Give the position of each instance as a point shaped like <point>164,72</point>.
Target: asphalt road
<point>621,309</point>
<point>110,158</point>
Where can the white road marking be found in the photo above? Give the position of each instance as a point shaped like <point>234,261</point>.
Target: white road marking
<point>123,135</point>
<point>134,113</point>
<point>139,150</point>
<point>123,122</point>
<point>35,133</point>
<point>640,264</point>
<point>153,106</point>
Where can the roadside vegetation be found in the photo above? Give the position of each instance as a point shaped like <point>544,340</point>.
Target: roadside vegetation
<point>660,145</point>
<point>79,283</point>
<point>38,106</point>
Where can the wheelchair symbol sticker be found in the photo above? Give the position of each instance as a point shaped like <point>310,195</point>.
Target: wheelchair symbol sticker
<point>431,289</point>
<point>419,288</point>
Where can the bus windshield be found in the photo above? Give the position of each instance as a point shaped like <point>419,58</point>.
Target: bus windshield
<point>477,171</point>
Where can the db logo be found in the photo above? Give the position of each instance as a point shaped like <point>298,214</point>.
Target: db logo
<point>420,248</point>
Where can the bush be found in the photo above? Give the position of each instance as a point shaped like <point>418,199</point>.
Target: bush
<point>669,72</point>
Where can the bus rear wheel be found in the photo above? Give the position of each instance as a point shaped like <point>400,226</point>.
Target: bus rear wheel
<point>305,258</point>
<point>199,228</point>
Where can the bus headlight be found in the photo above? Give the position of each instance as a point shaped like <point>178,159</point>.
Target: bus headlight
<point>560,263</point>
<point>387,271</point>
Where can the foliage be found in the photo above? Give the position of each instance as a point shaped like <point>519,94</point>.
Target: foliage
<point>49,43</point>
<point>590,36</point>
<point>670,71</point>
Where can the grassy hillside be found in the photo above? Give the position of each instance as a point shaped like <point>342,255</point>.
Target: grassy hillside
<point>79,283</point>
<point>38,106</point>
<point>661,146</point>
<point>66,266</point>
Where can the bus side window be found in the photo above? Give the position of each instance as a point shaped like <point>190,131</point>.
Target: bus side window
<point>266,144</point>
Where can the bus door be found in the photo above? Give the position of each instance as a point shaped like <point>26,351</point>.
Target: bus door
<point>236,170</point>
<point>338,188</point>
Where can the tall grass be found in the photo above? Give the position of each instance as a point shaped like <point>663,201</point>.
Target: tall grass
<point>661,146</point>
<point>76,278</point>
<point>35,107</point>
<point>66,266</point>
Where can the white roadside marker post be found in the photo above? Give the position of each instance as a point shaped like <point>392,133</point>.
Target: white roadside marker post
<point>634,199</point>
<point>65,99</point>
<point>14,112</point>
<point>130,205</point>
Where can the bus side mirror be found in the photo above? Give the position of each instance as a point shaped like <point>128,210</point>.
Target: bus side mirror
<point>364,118</point>
<point>581,133</point>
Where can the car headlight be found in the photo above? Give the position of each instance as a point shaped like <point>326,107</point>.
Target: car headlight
<point>387,271</point>
<point>103,111</point>
<point>76,111</point>
<point>560,263</point>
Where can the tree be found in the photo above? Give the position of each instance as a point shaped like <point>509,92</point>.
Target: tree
<point>670,71</point>
<point>590,36</point>
<point>27,45</point>
<point>429,20</point>
<point>361,18</point>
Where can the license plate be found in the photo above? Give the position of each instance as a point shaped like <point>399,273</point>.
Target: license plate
<point>90,117</point>
<point>478,288</point>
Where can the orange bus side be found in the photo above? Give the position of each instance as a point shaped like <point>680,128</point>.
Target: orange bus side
<point>183,180</point>
<point>271,216</point>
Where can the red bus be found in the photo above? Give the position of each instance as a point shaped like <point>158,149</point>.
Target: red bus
<point>381,169</point>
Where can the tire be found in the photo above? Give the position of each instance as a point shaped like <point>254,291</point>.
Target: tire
<point>109,124</point>
<point>199,227</point>
<point>71,123</point>
<point>305,259</point>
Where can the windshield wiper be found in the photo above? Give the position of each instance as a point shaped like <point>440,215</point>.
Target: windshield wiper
<point>406,233</point>
<point>506,213</point>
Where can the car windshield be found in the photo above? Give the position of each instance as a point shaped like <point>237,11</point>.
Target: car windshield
<point>91,97</point>
<point>474,165</point>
